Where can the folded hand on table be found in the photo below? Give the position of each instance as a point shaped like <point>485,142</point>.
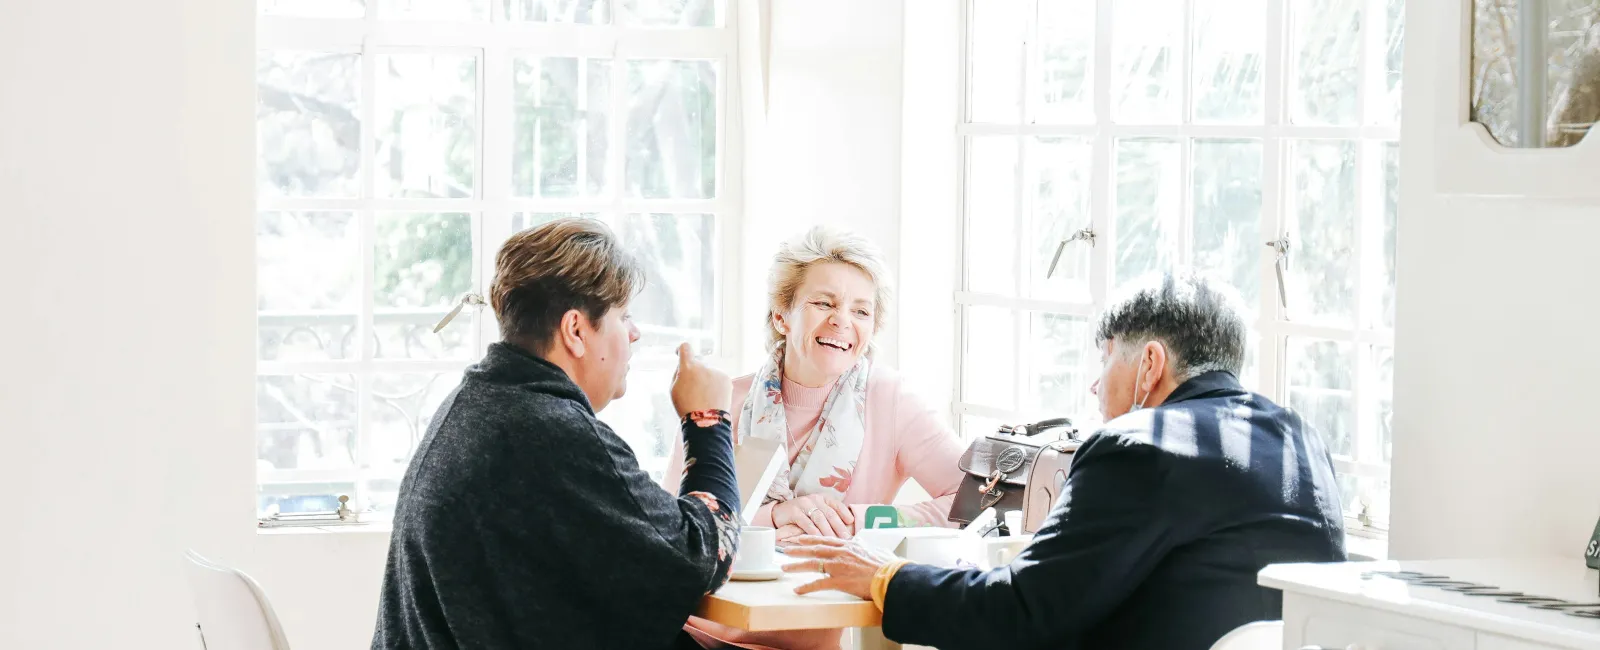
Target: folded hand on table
<point>848,566</point>
<point>814,515</point>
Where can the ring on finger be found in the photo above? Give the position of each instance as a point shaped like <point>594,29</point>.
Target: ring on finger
<point>813,511</point>
<point>822,568</point>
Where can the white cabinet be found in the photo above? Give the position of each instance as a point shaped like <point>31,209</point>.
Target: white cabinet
<point>1312,621</point>
<point>1361,606</point>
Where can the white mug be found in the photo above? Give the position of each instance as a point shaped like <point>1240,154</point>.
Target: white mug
<point>757,552</point>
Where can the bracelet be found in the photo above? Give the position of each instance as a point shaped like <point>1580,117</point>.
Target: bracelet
<point>880,581</point>
<point>707,418</point>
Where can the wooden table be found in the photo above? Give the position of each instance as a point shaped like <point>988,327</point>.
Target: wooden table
<point>773,605</point>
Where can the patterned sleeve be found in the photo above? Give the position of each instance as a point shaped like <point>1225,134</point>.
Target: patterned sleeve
<point>727,539</point>
<point>708,475</point>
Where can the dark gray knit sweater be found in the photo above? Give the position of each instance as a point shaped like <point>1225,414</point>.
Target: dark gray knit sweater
<point>524,522</point>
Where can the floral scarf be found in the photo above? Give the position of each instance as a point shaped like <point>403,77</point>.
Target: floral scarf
<point>829,451</point>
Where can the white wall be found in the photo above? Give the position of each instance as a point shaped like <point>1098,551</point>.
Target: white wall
<point>829,152</point>
<point>1494,453</point>
<point>127,284</point>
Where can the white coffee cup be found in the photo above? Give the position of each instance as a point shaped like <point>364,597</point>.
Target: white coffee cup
<point>757,549</point>
<point>1014,521</point>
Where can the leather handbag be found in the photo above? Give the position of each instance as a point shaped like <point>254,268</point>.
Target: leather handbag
<point>1017,468</point>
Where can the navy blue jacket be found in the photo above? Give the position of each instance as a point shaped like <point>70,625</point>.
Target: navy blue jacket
<point>1166,516</point>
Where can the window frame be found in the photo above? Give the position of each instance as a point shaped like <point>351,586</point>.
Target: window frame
<point>1275,133</point>
<point>495,44</point>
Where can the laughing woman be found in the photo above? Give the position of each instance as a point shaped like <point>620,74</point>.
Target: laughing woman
<point>852,433</point>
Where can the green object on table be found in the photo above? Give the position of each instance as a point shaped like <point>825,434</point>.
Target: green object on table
<point>882,517</point>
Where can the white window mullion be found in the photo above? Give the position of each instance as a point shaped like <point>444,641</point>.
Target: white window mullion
<point>1102,176</point>
<point>1272,379</point>
<point>730,161</point>
<point>365,326</point>
<point>617,136</point>
<point>497,90</point>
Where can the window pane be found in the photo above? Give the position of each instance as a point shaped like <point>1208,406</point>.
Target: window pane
<point>313,8</point>
<point>671,13</point>
<point>1391,224</point>
<point>678,252</point>
<point>973,426</point>
<point>583,12</point>
<point>1058,181</point>
<point>561,139</point>
<point>672,129</point>
<point>306,277</point>
<point>1230,42</point>
<point>1571,73</point>
<point>995,60</point>
<point>1061,366</point>
<point>1147,38</point>
<point>1227,214</point>
<point>1365,494</point>
<point>422,262</point>
<point>1320,376</point>
<point>1321,220</point>
<point>406,335</point>
<point>1394,53</point>
<point>289,337</point>
<point>521,221</point>
<point>308,124</point>
<point>1149,205</point>
<point>427,137</point>
<point>434,9</point>
<point>1060,85</point>
<point>644,417</point>
<point>1326,60</point>
<point>402,407</point>
<point>380,494</point>
<point>991,215</point>
<point>1250,377</point>
<point>1382,411</point>
<point>305,421</point>
<point>989,361</point>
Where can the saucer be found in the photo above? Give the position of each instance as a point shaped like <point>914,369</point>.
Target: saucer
<point>755,575</point>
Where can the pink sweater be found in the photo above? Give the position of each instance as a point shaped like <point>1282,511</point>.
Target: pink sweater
<point>904,439</point>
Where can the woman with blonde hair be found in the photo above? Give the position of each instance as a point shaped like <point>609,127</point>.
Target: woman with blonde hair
<point>851,432</point>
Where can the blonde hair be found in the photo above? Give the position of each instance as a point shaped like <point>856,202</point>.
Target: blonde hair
<point>542,273</point>
<point>819,245</point>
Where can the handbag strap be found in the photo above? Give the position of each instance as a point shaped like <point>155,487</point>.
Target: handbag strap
<point>1042,425</point>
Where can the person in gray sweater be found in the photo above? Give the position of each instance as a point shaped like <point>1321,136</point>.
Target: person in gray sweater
<point>523,521</point>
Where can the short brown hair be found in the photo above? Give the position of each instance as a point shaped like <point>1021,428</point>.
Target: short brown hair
<point>542,273</point>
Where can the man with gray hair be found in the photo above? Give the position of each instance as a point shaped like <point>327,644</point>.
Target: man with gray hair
<point>1191,487</point>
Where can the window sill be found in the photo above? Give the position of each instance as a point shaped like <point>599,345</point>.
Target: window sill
<point>374,528</point>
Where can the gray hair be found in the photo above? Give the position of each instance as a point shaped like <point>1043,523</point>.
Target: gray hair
<point>818,245</point>
<point>1198,319</point>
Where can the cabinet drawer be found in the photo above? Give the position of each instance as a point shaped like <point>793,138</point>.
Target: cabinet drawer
<point>1487,641</point>
<point>1310,621</point>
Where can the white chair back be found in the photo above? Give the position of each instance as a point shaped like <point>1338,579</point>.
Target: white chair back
<point>234,611</point>
<point>1260,635</point>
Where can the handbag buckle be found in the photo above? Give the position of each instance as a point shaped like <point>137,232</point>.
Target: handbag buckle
<point>991,492</point>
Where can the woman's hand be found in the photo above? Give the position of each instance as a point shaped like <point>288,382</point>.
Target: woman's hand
<point>787,533</point>
<point>848,566</point>
<point>815,515</point>
<point>697,386</point>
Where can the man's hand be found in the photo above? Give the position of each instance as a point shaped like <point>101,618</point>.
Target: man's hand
<point>848,566</point>
<point>697,386</point>
<point>816,515</point>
